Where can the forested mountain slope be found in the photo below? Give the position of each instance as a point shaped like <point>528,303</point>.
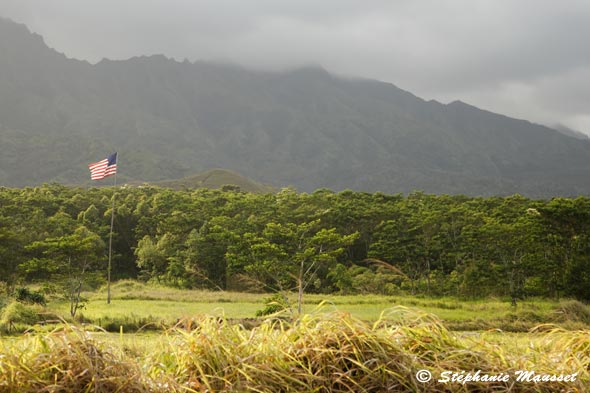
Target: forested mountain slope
<point>303,127</point>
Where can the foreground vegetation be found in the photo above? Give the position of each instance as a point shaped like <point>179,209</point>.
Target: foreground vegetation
<point>196,340</point>
<point>323,353</point>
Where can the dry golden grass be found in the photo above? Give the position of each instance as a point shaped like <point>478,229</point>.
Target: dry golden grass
<point>68,360</point>
<point>315,353</point>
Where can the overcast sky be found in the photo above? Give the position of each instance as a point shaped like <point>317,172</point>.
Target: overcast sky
<point>528,59</point>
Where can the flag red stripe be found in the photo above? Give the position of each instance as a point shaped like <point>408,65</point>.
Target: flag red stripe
<point>98,164</point>
<point>101,169</point>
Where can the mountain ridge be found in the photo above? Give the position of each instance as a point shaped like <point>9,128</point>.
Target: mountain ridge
<point>303,127</point>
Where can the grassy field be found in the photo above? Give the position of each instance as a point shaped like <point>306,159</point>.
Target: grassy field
<point>196,341</point>
<point>136,304</point>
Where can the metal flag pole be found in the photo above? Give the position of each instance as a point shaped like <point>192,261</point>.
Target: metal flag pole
<point>111,239</point>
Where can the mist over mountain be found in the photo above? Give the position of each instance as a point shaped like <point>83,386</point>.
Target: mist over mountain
<point>570,132</point>
<point>303,127</point>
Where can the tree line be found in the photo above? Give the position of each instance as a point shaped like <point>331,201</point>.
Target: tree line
<point>325,241</point>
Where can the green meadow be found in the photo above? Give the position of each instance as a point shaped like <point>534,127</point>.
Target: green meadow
<point>137,306</point>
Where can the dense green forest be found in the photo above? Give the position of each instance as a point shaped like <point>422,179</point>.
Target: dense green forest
<point>323,242</point>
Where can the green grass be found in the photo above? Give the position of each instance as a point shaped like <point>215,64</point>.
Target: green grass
<point>167,310</point>
<point>136,305</point>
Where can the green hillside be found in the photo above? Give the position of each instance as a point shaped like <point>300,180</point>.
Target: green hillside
<point>303,127</point>
<point>217,179</point>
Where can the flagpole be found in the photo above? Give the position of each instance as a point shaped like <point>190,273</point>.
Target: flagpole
<point>111,240</point>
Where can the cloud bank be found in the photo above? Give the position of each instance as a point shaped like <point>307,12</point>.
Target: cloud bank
<point>522,58</point>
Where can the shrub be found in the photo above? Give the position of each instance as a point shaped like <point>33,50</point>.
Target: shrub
<point>130,323</point>
<point>125,286</point>
<point>273,305</point>
<point>383,283</point>
<point>24,295</point>
<point>19,313</point>
<point>573,310</point>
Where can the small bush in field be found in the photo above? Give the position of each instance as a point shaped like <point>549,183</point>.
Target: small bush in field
<point>573,310</point>
<point>25,295</point>
<point>19,313</point>
<point>273,305</point>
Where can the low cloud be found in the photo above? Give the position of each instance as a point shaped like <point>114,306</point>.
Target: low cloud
<point>525,58</point>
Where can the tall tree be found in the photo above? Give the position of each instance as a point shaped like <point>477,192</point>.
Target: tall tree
<point>69,260</point>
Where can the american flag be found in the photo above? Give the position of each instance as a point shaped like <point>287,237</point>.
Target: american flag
<point>101,169</point>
